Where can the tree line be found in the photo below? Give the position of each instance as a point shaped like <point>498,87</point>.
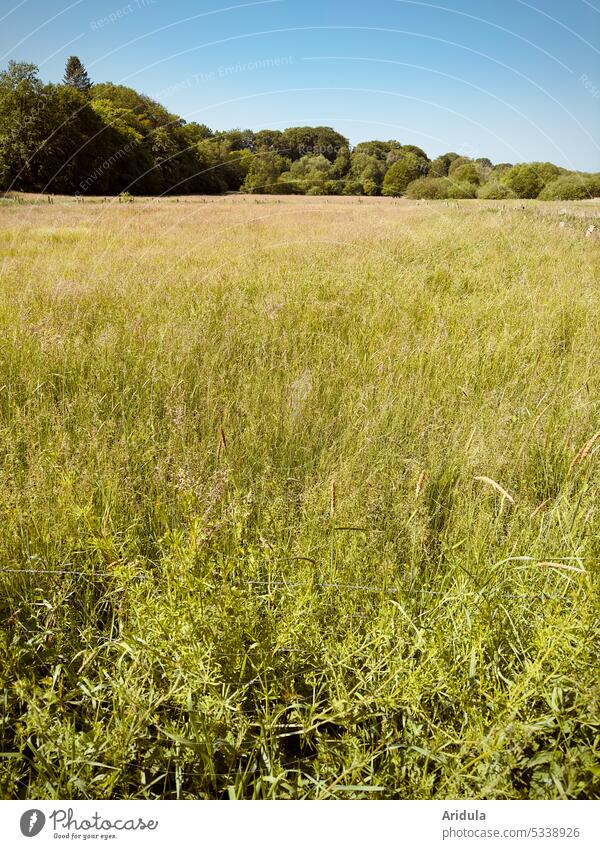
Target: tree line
<point>77,137</point>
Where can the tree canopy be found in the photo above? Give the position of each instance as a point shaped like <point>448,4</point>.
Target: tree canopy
<point>102,138</point>
<point>76,74</point>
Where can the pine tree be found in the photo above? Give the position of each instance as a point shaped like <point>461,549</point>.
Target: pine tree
<point>76,74</point>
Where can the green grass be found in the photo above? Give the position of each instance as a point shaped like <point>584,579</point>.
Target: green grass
<point>246,437</point>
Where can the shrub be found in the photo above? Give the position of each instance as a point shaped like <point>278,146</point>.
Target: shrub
<point>524,180</point>
<point>353,187</point>
<point>427,188</point>
<point>439,188</point>
<point>286,187</point>
<point>461,190</point>
<point>547,171</point>
<point>593,183</point>
<point>572,187</point>
<point>528,179</point>
<point>495,191</point>
<point>370,187</point>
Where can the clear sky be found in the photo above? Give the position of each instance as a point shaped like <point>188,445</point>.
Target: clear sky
<point>507,79</point>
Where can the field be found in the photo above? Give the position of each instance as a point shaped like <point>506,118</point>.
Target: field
<point>299,498</point>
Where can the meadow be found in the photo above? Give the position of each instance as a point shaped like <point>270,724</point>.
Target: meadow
<point>299,499</point>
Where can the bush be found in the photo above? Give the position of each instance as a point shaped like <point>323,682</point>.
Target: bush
<point>571,187</point>
<point>461,190</point>
<point>594,185</point>
<point>439,188</point>
<point>428,188</point>
<point>353,187</point>
<point>547,171</point>
<point>286,187</point>
<point>370,187</point>
<point>495,191</point>
<point>524,180</point>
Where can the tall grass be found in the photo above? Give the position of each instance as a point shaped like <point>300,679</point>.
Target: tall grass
<point>289,493</point>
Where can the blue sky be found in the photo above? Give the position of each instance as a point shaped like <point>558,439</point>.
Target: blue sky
<point>508,79</point>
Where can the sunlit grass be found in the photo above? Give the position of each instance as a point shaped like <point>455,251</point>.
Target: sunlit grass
<point>309,461</point>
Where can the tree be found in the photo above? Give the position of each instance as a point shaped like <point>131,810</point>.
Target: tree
<point>148,112</point>
<point>298,141</point>
<point>439,167</point>
<point>457,162</point>
<point>76,75</point>
<point>417,151</point>
<point>403,172</point>
<point>193,132</point>
<point>468,172</point>
<point>238,139</point>
<point>125,121</point>
<point>547,171</point>
<point>50,137</point>
<point>352,187</point>
<point>18,73</point>
<point>268,139</point>
<point>227,163</point>
<point>76,141</point>
<point>379,149</point>
<point>367,169</point>
<point>264,171</point>
<point>524,180</point>
<point>107,138</point>
<point>311,171</point>
<point>484,168</point>
<point>22,107</point>
<point>342,163</point>
<point>333,187</point>
<point>164,153</point>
